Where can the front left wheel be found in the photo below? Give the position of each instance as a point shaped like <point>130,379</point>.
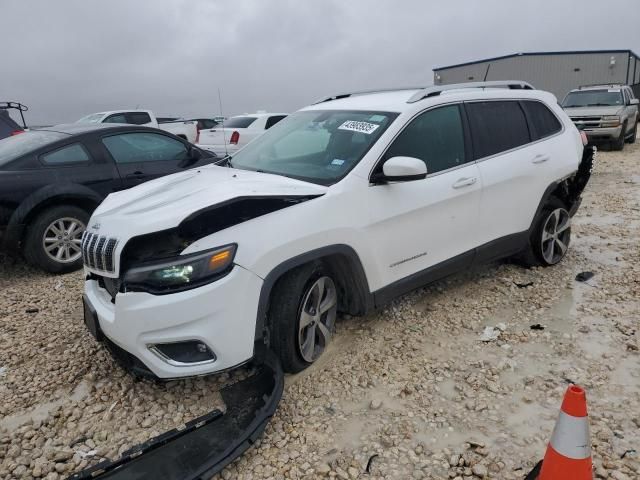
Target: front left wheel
<point>302,316</point>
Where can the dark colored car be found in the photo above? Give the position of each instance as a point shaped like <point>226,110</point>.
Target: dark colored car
<point>52,179</point>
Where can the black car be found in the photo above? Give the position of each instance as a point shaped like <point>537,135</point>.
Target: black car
<point>52,179</point>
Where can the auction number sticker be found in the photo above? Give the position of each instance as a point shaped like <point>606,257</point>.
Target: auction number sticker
<point>360,127</point>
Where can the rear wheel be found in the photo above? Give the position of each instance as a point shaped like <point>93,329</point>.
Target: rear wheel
<point>618,144</point>
<point>302,316</point>
<point>550,238</point>
<point>53,238</point>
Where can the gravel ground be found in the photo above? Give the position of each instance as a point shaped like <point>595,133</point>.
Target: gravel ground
<point>411,391</point>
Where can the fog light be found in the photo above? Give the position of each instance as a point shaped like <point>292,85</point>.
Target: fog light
<point>188,353</point>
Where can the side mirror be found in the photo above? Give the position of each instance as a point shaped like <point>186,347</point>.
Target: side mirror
<point>634,101</point>
<point>401,169</point>
<point>193,155</point>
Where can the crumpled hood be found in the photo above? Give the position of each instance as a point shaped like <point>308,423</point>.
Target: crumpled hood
<point>163,203</point>
<point>593,111</point>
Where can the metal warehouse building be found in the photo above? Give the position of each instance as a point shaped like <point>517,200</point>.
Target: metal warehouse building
<point>556,72</point>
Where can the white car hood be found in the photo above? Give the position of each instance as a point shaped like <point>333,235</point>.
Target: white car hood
<point>163,203</point>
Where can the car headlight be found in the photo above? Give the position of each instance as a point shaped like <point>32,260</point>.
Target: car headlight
<point>180,273</point>
<point>610,121</point>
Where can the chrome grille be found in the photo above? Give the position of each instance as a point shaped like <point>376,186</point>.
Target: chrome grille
<point>97,251</point>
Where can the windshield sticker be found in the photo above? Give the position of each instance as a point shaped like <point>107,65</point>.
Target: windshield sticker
<point>611,90</point>
<point>337,161</point>
<point>360,127</point>
<point>377,118</point>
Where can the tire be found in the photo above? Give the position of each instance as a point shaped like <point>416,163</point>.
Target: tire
<point>296,299</point>
<point>49,228</point>
<point>549,241</point>
<point>632,136</point>
<point>618,144</point>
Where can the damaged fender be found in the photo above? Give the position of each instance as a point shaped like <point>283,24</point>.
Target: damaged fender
<point>209,443</point>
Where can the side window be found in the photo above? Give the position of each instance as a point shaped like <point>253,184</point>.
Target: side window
<point>542,121</point>
<point>66,155</point>
<point>436,137</point>
<point>116,118</point>
<point>139,118</point>
<point>496,126</point>
<point>144,147</point>
<point>271,121</point>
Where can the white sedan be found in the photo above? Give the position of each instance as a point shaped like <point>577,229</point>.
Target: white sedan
<point>236,132</point>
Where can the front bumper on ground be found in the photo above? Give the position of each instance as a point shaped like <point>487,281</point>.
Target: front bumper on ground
<point>221,315</point>
<point>209,443</point>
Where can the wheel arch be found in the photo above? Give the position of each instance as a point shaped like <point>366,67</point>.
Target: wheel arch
<point>345,265</point>
<point>49,196</point>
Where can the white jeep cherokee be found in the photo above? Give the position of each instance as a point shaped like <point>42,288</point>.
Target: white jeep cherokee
<point>340,207</point>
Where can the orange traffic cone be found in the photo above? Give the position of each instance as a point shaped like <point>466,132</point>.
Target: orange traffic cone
<point>568,454</point>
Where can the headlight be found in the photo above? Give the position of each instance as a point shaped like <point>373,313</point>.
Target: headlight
<point>610,121</point>
<point>180,273</point>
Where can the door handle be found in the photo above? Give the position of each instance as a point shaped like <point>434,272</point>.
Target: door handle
<point>135,175</point>
<point>465,182</point>
<point>540,158</point>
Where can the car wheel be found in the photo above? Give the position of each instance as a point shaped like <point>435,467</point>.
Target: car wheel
<point>618,144</point>
<point>302,316</point>
<point>550,238</point>
<point>53,238</point>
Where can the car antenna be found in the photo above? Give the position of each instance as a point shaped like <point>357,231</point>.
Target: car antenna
<point>224,136</point>
<point>486,74</point>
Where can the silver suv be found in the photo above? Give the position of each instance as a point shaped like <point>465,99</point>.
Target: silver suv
<point>606,113</point>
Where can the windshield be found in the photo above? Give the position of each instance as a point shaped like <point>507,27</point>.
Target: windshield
<point>16,146</point>
<point>593,98</point>
<point>319,146</point>
<point>93,118</point>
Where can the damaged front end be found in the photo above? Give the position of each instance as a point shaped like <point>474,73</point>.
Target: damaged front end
<point>205,445</point>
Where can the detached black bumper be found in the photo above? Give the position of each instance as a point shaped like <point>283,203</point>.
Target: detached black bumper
<point>209,443</point>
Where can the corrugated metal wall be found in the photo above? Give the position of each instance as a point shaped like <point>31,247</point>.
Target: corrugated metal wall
<point>556,73</point>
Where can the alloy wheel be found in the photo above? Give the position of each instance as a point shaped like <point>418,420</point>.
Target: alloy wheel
<point>556,233</point>
<point>62,238</point>
<point>317,318</point>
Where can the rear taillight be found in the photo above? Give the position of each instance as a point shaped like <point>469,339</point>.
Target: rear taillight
<point>17,132</point>
<point>235,137</point>
<point>584,138</point>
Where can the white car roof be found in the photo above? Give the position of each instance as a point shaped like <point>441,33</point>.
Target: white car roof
<point>258,114</point>
<point>407,100</point>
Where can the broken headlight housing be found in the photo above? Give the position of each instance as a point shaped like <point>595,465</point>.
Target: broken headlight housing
<point>180,273</point>
<point>610,121</point>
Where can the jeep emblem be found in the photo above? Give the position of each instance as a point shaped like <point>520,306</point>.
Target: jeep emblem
<point>96,226</point>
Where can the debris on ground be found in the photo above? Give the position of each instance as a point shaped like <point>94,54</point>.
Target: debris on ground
<point>584,276</point>
<point>62,394</point>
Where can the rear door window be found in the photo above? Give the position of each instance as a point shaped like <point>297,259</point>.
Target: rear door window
<point>67,155</point>
<point>144,147</point>
<point>239,122</point>
<point>271,121</point>
<point>496,126</point>
<point>436,137</point>
<point>116,118</point>
<point>138,118</point>
<point>542,122</point>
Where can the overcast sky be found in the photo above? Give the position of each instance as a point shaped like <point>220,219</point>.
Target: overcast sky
<point>65,59</point>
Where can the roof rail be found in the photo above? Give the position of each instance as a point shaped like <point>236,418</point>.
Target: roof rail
<point>364,92</point>
<point>602,85</point>
<point>436,90</point>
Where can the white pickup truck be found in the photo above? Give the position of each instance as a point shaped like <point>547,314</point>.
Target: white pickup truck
<point>186,129</point>
<point>235,132</point>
